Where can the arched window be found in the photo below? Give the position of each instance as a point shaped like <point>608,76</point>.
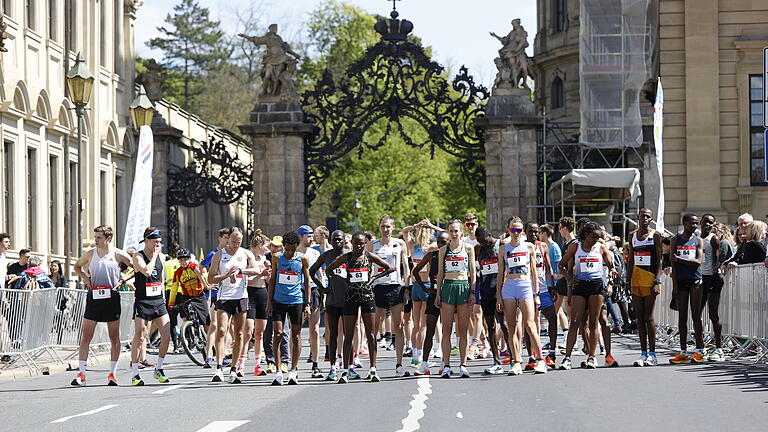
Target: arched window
<point>558,15</point>
<point>557,94</point>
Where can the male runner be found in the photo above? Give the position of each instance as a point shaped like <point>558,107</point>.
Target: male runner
<point>306,236</point>
<point>686,260</point>
<point>712,282</point>
<point>206,262</point>
<point>487,253</point>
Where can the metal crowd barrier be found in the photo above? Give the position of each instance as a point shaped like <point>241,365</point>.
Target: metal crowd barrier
<point>36,322</point>
<point>743,313</point>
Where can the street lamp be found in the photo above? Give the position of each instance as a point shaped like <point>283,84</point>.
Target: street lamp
<point>142,109</point>
<point>357,209</point>
<point>335,204</point>
<point>79,86</point>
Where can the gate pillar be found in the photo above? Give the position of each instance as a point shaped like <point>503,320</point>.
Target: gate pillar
<point>509,125</point>
<point>277,132</point>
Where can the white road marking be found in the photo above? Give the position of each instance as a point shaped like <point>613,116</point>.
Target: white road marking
<point>222,426</point>
<point>459,415</point>
<point>169,388</point>
<point>97,410</point>
<point>418,405</point>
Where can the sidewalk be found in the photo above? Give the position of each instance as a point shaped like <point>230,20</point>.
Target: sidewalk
<point>47,364</point>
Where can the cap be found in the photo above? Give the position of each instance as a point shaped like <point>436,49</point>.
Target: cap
<point>304,229</point>
<point>184,253</point>
<point>277,241</point>
<point>153,235</point>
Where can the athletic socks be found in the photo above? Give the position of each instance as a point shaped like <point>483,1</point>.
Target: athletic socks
<point>314,365</point>
<point>113,367</point>
<point>160,361</point>
<point>82,366</point>
<point>135,368</point>
<point>241,361</point>
<point>644,353</point>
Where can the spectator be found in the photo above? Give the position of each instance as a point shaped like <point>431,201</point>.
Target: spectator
<point>752,249</point>
<point>741,228</point>
<point>727,242</point>
<point>56,275</point>
<point>17,268</point>
<point>34,277</point>
<point>5,244</point>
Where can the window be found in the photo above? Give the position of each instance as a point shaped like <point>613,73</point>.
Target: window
<point>7,8</point>
<point>73,210</point>
<point>557,94</point>
<point>103,32</point>
<point>53,30</point>
<point>103,209</point>
<point>117,52</point>
<point>8,186</point>
<point>54,204</point>
<point>31,17</point>
<point>558,15</point>
<point>32,196</point>
<point>120,211</point>
<point>756,131</point>
<point>70,17</point>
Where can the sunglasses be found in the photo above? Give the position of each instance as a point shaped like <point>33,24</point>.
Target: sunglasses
<point>470,224</point>
<point>515,230</point>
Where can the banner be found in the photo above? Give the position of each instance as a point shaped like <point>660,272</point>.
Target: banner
<point>658,129</point>
<point>141,196</point>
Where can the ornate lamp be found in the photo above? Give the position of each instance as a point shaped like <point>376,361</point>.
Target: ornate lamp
<point>142,109</point>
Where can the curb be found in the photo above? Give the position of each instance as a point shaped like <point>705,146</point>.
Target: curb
<point>54,368</point>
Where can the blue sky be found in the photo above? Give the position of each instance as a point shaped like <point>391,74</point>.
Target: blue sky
<point>457,30</point>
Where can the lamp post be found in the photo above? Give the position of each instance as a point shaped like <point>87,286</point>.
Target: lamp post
<point>142,110</point>
<point>335,204</point>
<point>79,86</point>
<point>357,209</point>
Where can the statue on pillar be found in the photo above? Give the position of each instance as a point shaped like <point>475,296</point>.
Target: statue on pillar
<point>513,62</point>
<point>278,64</point>
<point>152,81</point>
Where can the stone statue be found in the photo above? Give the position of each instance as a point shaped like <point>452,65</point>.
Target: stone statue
<point>512,54</point>
<point>3,27</point>
<point>278,68</point>
<point>152,81</point>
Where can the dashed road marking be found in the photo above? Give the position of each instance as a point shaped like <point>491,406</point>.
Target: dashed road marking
<point>418,405</point>
<point>97,410</point>
<point>222,426</point>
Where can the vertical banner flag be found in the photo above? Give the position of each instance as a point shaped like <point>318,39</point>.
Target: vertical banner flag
<point>658,128</point>
<point>141,195</point>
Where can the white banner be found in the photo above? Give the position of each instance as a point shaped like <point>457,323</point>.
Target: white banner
<point>658,129</point>
<point>141,195</point>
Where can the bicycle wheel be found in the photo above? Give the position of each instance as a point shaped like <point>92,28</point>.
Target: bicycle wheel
<point>193,341</point>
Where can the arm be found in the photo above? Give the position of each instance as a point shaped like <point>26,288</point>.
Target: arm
<point>631,256</point>
<point>659,255</point>
<point>338,262</point>
<point>440,273</point>
<point>715,242</point>
<point>500,278</point>
<point>532,269</point>
<point>566,264</point>
<point>145,268</point>
<point>305,271</point>
<point>213,276</point>
<point>417,270</point>
<point>271,283</point>
<point>472,267</point>
<point>404,268</point>
<point>315,267</point>
<point>251,269</point>
<point>82,262</point>
<point>174,289</point>
<point>202,279</point>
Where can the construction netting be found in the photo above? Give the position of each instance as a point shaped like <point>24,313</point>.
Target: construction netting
<point>616,46</point>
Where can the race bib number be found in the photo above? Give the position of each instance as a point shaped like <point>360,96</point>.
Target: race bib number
<point>517,259</point>
<point>642,259</point>
<point>358,275</point>
<point>101,292</point>
<point>455,264</point>
<point>588,265</point>
<point>489,267</point>
<point>686,252</point>
<point>154,289</point>
<point>287,277</point>
<point>539,260</point>
<point>341,271</point>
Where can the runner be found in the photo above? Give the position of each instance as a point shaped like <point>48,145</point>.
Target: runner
<point>582,266</point>
<point>189,285</point>
<point>275,247</point>
<point>546,304</point>
<point>206,263</point>
<point>149,305</point>
<point>712,282</point>
<point>389,290</point>
<point>306,236</point>
<point>102,303</point>
<point>359,296</point>
<point>565,228</point>
<point>455,293</point>
<point>257,298</point>
<point>431,311</point>
<point>476,329</point>
<point>286,297</point>
<point>518,289</point>
<point>333,292</point>
<point>551,308</point>
<point>321,244</point>
<point>644,270</point>
<point>230,268</point>
<point>686,257</point>
<point>487,253</point>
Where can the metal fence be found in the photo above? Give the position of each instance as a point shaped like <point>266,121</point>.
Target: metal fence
<point>743,313</point>
<point>35,322</point>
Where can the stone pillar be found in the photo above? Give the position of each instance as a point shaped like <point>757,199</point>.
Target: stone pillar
<point>277,132</point>
<point>510,156</point>
<point>164,136</point>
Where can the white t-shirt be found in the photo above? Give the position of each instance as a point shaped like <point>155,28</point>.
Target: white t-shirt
<point>312,255</point>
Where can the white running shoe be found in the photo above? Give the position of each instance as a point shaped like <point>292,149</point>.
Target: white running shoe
<point>717,355</point>
<point>446,372</point>
<point>356,363</point>
<point>540,368</point>
<point>566,364</point>
<point>278,381</point>
<point>233,378</point>
<point>293,377</point>
<point>591,363</point>
<point>651,361</point>
<point>517,369</point>
<point>402,372</point>
<point>218,376</point>
<point>640,362</point>
<point>463,372</point>
<point>496,369</point>
<point>423,369</point>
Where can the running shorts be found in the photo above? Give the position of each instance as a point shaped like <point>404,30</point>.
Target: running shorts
<point>589,288</point>
<point>561,287</point>
<point>198,304</point>
<point>418,294</point>
<point>149,309</point>
<point>712,283</point>
<point>103,310</point>
<point>517,289</point>
<point>294,312</point>
<point>387,296</point>
<point>431,308</point>
<point>351,308</point>
<point>232,307</point>
<point>407,307</point>
<point>314,299</point>
<point>545,298</point>
<point>686,284</point>
<point>455,292</point>
<point>257,303</point>
<point>335,310</point>
<point>488,304</point>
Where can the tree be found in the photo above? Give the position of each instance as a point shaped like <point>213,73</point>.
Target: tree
<point>193,45</point>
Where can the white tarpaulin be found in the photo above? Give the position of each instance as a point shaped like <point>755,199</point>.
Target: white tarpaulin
<point>141,195</point>
<point>608,178</point>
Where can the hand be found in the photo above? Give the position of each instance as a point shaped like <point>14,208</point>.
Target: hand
<point>657,289</point>
<point>438,303</point>
<point>609,290</point>
<point>87,282</point>
<point>667,271</point>
<point>554,296</point>
<point>614,273</point>
<point>265,272</point>
<point>536,301</point>
<point>557,276</point>
<point>499,306</point>
<point>306,312</point>
<point>269,309</point>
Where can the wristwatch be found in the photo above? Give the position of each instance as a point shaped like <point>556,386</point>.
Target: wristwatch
<point>656,282</point>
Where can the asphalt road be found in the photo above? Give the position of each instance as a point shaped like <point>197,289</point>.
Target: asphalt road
<point>723,396</point>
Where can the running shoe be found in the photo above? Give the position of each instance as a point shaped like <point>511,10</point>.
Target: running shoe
<point>353,375</point>
<point>463,372</point>
<point>717,355</point>
<point>602,350</point>
<point>293,377</point>
<point>566,364</point>
<point>550,361</point>
<point>339,362</point>
<point>309,360</point>
<point>218,376</point>
<point>391,347</point>
<point>137,381</point>
<point>271,368</point>
<point>591,363</point>
<point>111,380</point>
<point>697,357</point>
<point>400,371</point>
<point>208,363</point>
<point>485,352</point>
<point>504,353</point>
<point>446,373</point>
<point>284,368</point>
<point>473,352</point>
<point>516,369</point>
<point>317,373</point>
<point>611,362</point>
<point>408,352</point>
<point>160,376</point>
<point>278,381</point>
<point>356,363</point>
<point>383,343</point>
<point>651,360</point>
<point>258,371</point>
<point>640,362</point>
<point>583,364</point>
<point>496,369</point>
<point>506,360</point>
<point>79,380</point>
<point>332,375</point>
<point>423,369</point>
<point>343,378</point>
<point>436,354</point>
<point>234,378</point>
<point>239,371</point>
<point>363,349</point>
<point>541,367</point>
<point>531,365</point>
<point>454,350</point>
<point>680,359</point>
<point>415,363</point>
<point>372,376</point>
<point>145,364</point>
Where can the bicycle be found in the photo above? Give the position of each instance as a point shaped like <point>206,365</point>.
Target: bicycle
<point>193,335</point>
